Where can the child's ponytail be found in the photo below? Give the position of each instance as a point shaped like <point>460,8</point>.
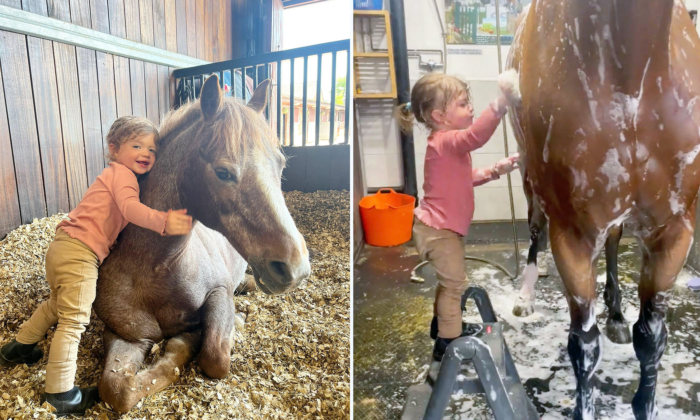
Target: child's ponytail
<point>405,117</point>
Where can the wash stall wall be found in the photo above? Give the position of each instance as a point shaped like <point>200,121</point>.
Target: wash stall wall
<point>478,64</point>
<point>57,101</point>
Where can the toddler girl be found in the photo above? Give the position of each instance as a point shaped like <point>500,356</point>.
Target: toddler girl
<point>73,258</point>
<point>443,105</point>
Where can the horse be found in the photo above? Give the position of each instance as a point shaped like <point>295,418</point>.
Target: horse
<point>616,328</point>
<point>608,130</point>
<point>218,159</point>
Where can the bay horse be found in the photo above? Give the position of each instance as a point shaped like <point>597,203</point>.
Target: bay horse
<point>616,328</point>
<point>218,159</point>
<point>608,130</point>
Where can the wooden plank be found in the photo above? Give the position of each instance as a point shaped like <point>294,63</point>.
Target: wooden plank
<point>71,121</point>
<point>151,75</point>
<point>199,22</point>
<point>215,29</point>
<point>90,107</point>
<point>38,7</point>
<point>10,216</point>
<point>159,24</point>
<point>181,16</point>
<point>80,13</point>
<point>108,100</point>
<point>48,122</point>
<point>14,63</point>
<point>133,25</point>
<point>146,16</point>
<point>138,90</point>
<point>163,92</point>
<point>221,34</point>
<point>170,26</point>
<point>17,4</point>
<point>59,9</point>
<point>117,19</point>
<point>208,30</point>
<point>191,28</point>
<point>99,15</point>
<point>122,86</point>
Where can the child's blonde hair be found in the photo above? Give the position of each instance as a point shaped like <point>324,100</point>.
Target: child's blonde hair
<point>127,128</point>
<point>431,92</point>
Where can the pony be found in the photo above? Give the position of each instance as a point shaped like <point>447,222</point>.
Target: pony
<point>608,130</point>
<point>218,159</point>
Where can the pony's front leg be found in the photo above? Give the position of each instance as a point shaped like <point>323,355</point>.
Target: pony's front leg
<point>663,255</point>
<point>123,385</point>
<point>574,258</point>
<point>218,319</point>
<point>616,328</point>
<point>537,221</point>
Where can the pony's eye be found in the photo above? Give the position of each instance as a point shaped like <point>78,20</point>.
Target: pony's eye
<point>225,175</point>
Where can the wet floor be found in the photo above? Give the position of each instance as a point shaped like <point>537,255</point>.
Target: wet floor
<point>392,347</point>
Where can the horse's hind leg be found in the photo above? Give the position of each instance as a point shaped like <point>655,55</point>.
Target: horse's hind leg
<point>123,385</point>
<point>663,255</point>
<point>219,320</point>
<point>616,328</point>
<point>537,222</point>
<point>573,255</point>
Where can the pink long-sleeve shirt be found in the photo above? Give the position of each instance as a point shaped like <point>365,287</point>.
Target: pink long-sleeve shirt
<point>449,183</point>
<point>111,203</point>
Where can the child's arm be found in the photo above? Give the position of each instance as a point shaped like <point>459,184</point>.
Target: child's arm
<point>174,222</point>
<point>480,132</point>
<point>481,176</point>
<point>472,138</point>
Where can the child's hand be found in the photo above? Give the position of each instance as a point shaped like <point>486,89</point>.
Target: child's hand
<point>178,223</point>
<point>506,165</point>
<point>509,85</point>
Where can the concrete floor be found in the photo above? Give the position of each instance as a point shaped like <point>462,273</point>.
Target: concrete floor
<point>392,347</point>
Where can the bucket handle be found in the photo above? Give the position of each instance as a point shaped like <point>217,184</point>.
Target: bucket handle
<point>386,191</point>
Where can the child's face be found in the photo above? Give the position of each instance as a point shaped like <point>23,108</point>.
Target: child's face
<point>459,114</point>
<point>137,154</point>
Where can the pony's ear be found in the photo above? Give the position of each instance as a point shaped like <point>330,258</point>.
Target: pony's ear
<point>259,100</point>
<point>210,99</point>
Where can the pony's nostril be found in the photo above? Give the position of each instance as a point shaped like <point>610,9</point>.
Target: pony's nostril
<point>278,268</point>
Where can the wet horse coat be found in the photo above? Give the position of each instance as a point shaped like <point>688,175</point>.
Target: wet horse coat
<point>608,129</point>
<point>220,160</point>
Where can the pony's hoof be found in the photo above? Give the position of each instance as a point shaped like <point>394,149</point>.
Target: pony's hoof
<point>618,332</point>
<point>523,307</point>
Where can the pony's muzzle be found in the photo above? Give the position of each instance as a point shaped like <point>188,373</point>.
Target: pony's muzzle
<point>275,277</point>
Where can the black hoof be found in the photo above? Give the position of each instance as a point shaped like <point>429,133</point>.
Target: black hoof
<point>618,332</point>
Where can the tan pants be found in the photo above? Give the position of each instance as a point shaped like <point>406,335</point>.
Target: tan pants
<point>71,271</point>
<point>444,250</point>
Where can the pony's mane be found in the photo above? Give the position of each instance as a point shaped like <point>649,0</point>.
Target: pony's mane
<point>235,121</point>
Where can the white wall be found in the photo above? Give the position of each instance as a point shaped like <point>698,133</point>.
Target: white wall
<point>381,151</point>
<point>379,133</point>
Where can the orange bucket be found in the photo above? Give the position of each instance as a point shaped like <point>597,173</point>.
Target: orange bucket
<point>387,217</point>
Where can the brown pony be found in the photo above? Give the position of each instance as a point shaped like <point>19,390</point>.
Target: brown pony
<point>218,159</point>
<point>608,129</point>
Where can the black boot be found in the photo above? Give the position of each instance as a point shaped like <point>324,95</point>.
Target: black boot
<point>467,328</point>
<point>441,344</point>
<point>14,353</point>
<point>75,401</point>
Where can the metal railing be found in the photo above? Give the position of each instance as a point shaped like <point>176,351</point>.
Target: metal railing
<point>189,81</point>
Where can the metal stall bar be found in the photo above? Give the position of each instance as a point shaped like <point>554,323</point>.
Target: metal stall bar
<point>291,102</point>
<point>347,101</point>
<point>279,100</point>
<point>304,128</point>
<point>318,99</point>
<point>332,115</point>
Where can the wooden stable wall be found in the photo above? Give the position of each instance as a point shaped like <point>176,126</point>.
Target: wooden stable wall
<point>57,101</point>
